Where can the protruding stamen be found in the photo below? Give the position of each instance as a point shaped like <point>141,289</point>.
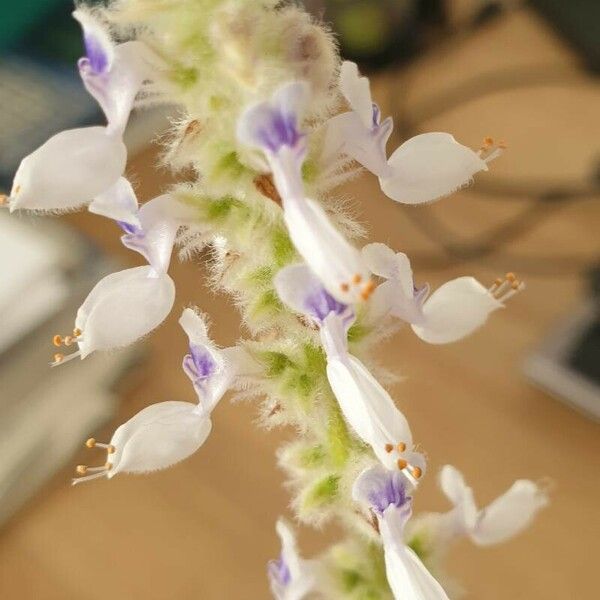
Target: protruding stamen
<point>490,150</point>
<point>98,475</point>
<point>416,472</point>
<point>401,447</point>
<point>57,340</point>
<point>93,443</point>
<point>506,288</point>
<point>516,287</point>
<point>402,464</point>
<point>60,359</point>
<point>368,289</point>
<point>389,448</point>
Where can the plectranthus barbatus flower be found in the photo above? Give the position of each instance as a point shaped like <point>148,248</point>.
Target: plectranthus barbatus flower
<point>127,305</point>
<point>424,168</point>
<point>359,133</point>
<point>453,311</point>
<point>163,434</point>
<point>76,165</point>
<point>273,127</point>
<point>386,494</point>
<point>505,517</point>
<point>291,577</point>
<point>367,407</point>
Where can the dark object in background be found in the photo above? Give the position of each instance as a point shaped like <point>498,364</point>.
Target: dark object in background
<point>579,22</point>
<point>376,33</point>
<point>567,363</point>
<point>40,90</point>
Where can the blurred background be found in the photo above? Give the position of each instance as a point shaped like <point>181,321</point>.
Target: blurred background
<point>521,398</point>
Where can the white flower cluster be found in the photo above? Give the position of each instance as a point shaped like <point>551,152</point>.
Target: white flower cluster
<point>325,279</point>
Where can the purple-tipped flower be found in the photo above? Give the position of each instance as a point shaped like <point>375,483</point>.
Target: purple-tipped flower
<point>367,407</point>
<point>163,434</point>
<point>112,73</point>
<point>291,577</point>
<point>273,126</point>
<point>453,311</point>
<point>77,165</point>
<point>385,493</point>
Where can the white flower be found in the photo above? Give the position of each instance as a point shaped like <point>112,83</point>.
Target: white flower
<point>453,311</point>
<point>273,127</point>
<point>431,165</point>
<point>121,308</point>
<point>163,434</point>
<point>291,577</point>
<point>76,165</point>
<point>367,407</point>
<point>502,519</point>
<point>68,170</point>
<point>359,133</point>
<point>125,306</point>
<point>385,493</point>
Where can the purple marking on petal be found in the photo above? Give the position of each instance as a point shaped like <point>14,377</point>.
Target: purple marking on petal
<point>98,60</point>
<point>376,115</point>
<point>130,229</point>
<point>279,572</point>
<point>320,303</point>
<point>279,130</point>
<point>203,361</point>
<point>387,490</point>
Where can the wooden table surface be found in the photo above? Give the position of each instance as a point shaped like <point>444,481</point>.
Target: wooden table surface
<point>204,529</point>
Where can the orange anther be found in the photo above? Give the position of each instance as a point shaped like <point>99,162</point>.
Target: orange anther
<point>401,447</point>
<point>57,340</point>
<point>356,279</point>
<point>111,450</point>
<point>389,448</point>
<point>90,443</point>
<point>69,340</point>
<point>344,287</point>
<point>402,464</point>
<point>81,469</point>
<point>58,357</point>
<point>417,472</point>
<point>77,332</point>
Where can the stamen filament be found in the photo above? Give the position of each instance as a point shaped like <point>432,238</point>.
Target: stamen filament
<point>60,359</point>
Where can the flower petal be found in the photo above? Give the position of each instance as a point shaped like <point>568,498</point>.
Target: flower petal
<point>346,133</point>
<point>70,169</point>
<point>357,91</point>
<point>124,307</point>
<point>461,496</point>
<point>99,47</point>
<point>408,577</point>
<point>429,166</point>
<point>118,203</point>
<point>455,310</point>
<point>383,261</point>
<point>509,514</point>
<point>157,437</point>
<point>370,410</point>
<point>379,488</point>
<point>301,290</point>
<point>330,256</point>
